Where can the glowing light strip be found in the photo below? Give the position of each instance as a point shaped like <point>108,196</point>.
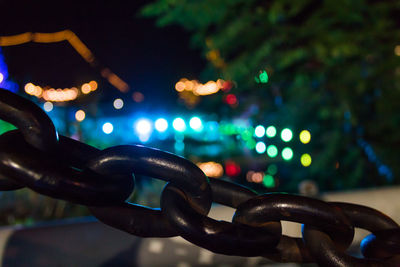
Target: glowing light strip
<point>74,41</point>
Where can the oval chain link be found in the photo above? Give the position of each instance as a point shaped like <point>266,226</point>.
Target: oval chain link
<point>323,248</point>
<point>219,236</point>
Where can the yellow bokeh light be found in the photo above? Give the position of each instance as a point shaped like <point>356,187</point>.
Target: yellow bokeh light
<point>211,169</point>
<point>305,137</point>
<point>51,94</point>
<point>209,88</point>
<point>38,91</point>
<point>29,88</point>
<point>80,115</point>
<point>305,160</point>
<point>1,77</point>
<point>60,95</point>
<point>189,85</point>
<point>86,88</point>
<point>180,86</point>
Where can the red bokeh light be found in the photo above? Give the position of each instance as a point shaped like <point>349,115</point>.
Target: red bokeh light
<point>231,99</point>
<point>227,86</point>
<point>232,168</point>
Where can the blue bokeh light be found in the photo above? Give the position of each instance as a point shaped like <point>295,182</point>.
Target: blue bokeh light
<point>196,124</point>
<point>108,128</point>
<point>179,124</point>
<point>161,125</point>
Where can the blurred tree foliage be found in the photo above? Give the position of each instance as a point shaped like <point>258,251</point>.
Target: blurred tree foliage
<point>332,69</point>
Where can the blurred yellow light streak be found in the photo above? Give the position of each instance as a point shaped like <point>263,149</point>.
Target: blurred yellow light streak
<point>16,39</point>
<point>74,41</point>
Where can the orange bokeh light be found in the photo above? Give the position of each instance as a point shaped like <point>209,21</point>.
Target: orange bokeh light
<point>93,85</point>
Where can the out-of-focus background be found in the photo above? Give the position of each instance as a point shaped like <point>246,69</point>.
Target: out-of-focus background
<point>294,96</point>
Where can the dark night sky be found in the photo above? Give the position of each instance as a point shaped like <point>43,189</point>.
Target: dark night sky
<point>148,58</point>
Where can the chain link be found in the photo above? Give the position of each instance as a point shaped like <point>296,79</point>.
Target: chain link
<point>35,156</point>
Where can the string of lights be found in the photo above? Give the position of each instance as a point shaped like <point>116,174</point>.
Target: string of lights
<point>269,143</point>
<point>75,42</point>
<point>209,88</point>
<point>191,90</point>
<point>196,128</point>
<point>59,95</point>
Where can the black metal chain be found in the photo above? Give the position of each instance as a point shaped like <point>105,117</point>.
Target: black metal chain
<point>35,156</point>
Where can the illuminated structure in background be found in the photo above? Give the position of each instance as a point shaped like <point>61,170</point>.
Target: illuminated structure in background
<point>59,95</point>
<point>266,147</point>
<point>75,42</point>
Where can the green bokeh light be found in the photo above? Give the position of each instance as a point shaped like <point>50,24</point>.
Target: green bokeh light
<point>286,135</point>
<point>268,181</point>
<point>287,153</point>
<point>228,129</point>
<point>271,131</point>
<point>272,169</point>
<point>272,151</point>
<point>247,134</point>
<point>263,77</point>
<point>251,144</point>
